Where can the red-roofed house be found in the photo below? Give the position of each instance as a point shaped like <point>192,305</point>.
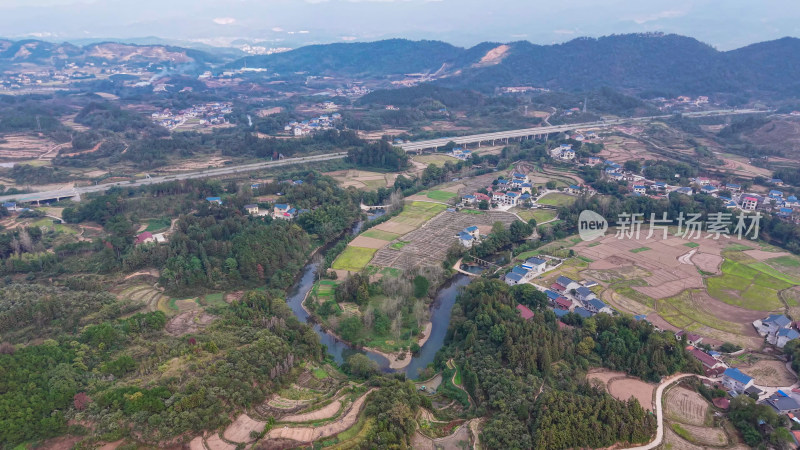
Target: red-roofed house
<point>749,203</point>
<point>721,403</point>
<point>144,238</point>
<point>479,196</point>
<point>563,303</point>
<point>689,338</point>
<point>525,312</point>
<point>557,287</point>
<point>708,361</point>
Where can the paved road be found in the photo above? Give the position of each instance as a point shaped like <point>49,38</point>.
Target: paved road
<point>510,134</point>
<point>67,193</point>
<point>660,412</point>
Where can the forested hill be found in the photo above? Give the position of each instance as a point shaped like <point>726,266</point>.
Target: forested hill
<point>665,64</point>
<point>671,64</point>
<point>369,59</point>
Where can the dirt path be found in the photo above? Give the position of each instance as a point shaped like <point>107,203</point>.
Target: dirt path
<point>309,434</point>
<point>325,412</point>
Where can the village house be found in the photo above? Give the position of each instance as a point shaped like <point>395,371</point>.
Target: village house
<point>469,236</point>
<point>639,189</point>
<point>733,187</point>
<point>596,306</point>
<point>283,211</point>
<point>518,275</point>
<point>525,312</point>
<point>689,338</point>
<point>526,188</point>
<point>460,153</point>
<point>583,312</point>
<point>708,189</point>
<point>749,203</point>
<point>771,324</point>
<point>216,200</point>
<point>708,361</point>
<point>535,265</point>
<point>573,189</point>
<point>783,404</point>
<point>251,209</point>
<point>584,294</point>
<point>785,335</point>
<point>469,199</point>
<point>735,380</point>
<point>563,303</point>
<point>144,238</point>
<point>567,283</point>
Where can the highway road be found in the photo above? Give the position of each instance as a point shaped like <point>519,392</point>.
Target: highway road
<point>410,146</point>
<point>68,193</point>
<point>539,131</point>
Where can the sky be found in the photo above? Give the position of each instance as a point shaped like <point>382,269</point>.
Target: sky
<point>724,24</point>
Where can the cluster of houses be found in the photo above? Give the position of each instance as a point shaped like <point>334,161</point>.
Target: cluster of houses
<point>526,271</point>
<point>209,114</point>
<point>776,329</point>
<point>569,296</point>
<point>323,122</point>
<point>775,202</point>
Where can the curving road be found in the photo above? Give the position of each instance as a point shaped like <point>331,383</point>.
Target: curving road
<point>660,412</point>
<point>68,193</point>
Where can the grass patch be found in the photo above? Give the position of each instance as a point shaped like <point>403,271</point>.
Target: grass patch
<point>692,244</point>
<point>417,213</point>
<point>319,373</point>
<point>539,215</point>
<point>556,199</point>
<point>380,234</point>
<point>435,159</point>
<point>785,261</point>
<point>440,196</point>
<point>48,225</point>
<point>154,225</point>
<point>639,250</point>
<point>684,304</point>
<point>391,272</point>
<point>217,299</point>
<point>682,432</point>
<point>476,212</point>
<point>399,245</point>
<point>753,286</point>
<point>457,378</point>
<point>353,258</point>
<point>588,260</point>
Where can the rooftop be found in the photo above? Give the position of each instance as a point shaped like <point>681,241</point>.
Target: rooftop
<point>737,375</point>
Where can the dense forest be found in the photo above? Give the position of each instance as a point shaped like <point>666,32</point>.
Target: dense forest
<point>526,374</point>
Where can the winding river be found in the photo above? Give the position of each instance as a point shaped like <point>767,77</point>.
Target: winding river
<point>340,350</point>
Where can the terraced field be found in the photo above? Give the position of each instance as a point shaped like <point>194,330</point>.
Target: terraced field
<point>146,294</point>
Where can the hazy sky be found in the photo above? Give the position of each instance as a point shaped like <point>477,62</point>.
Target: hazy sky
<point>724,24</point>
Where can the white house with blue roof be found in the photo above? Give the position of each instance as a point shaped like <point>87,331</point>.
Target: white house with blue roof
<point>216,200</point>
<point>639,189</point>
<point>595,305</point>
<point>535,264</point>
<point>771,324</point>
<point>708,189</point>
<point>518,275</point>
<point>777,195</point>
<point>734,379</point>
<point>791,201</point>
<point>785,335</point>
<point>584,294</point>
<point>568,283</point>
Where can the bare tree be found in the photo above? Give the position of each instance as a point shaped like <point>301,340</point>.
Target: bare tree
<point>369,316</point>
<point>396,201</point>
<point>420,312</point>
<point>25,240</point>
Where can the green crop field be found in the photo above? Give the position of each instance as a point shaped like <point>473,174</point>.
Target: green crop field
<point>686,305</point>
<point>380,234</point>
<point>752,285</point>
<point>556,199</point>
<point>399,245</point>
<point>539,215</point>
<point>639,250</point>
<point>417,213</point>
<point>435,159</point>
<point>353,258</point>
<point>154,225</point>
<point>692,244</point>
<point>440,196</point>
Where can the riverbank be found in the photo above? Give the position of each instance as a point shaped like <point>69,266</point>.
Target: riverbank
<point>395,361</point>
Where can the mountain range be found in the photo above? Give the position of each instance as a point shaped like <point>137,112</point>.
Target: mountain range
<point>648,64</point>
